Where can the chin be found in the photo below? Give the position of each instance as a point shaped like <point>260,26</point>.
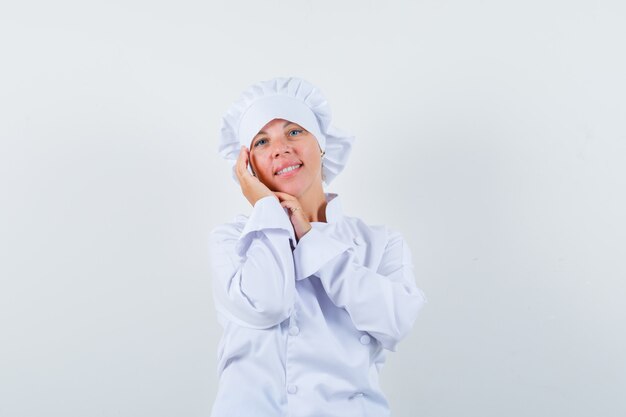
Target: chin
<point>290,188</point>
<point>294,191</point>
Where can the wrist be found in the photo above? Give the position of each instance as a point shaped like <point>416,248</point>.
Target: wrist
<point>258,198</point>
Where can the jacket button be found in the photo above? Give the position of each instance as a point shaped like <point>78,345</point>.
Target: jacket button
<point>365,339</point>
<point>292,389</point>
<point>294,330</point>
<point>357,241</point>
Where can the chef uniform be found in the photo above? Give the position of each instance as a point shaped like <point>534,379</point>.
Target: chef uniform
<point>307,324</point>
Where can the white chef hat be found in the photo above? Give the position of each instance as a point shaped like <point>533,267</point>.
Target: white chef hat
<point>292,99</point>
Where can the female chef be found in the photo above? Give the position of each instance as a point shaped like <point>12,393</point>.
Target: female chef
<point>310,298</point>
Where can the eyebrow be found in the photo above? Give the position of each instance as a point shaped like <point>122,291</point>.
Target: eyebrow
<point>261,132</point>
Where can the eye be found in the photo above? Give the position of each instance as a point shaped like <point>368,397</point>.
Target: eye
<point>259,142</point>
<point>295,132</point>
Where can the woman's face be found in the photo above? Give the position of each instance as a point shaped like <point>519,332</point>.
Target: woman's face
<point>285,157</point>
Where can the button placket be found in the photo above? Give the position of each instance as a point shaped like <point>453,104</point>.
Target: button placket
<point>293,330</point>
<point>356,395</point>
<point>292,318</point>
<point>357,240</point>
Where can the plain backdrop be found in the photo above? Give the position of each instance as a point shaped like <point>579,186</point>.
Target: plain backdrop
<point>492,134</point>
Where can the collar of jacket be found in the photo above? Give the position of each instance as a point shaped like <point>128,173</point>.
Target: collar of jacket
<point>334,212</point>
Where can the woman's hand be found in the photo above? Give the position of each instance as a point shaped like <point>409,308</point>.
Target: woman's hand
<point>300,223</point>
<point>252,188</point>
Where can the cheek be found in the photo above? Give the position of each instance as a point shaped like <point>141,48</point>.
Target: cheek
<point>254,163</point>
<point>313,158</point>
<point>260,164</point>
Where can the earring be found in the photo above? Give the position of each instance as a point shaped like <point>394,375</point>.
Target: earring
<point>323,153</point>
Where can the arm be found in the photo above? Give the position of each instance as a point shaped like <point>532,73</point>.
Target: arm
<point>383,302</point>
<point>253,271</point>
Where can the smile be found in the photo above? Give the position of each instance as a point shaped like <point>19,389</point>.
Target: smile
<point>288,169</point>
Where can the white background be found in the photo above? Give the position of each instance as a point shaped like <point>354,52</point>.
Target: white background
<point>491,133</point>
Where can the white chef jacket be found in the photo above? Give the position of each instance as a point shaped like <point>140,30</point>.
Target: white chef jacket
<point>306,324</point>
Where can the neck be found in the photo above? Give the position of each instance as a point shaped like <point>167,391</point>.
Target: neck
<point>313,204</point>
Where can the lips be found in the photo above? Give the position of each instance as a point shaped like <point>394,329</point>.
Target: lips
<point>285,169</point>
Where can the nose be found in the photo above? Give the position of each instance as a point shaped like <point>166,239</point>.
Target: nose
<point>280,146</point>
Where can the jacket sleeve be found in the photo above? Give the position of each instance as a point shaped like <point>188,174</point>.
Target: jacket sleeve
<point>383,302</point>
<point>253,270</point>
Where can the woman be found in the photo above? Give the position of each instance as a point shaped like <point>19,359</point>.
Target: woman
<point>310,299</point>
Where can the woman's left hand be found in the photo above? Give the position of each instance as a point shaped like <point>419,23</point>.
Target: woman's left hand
<point>299,221</point>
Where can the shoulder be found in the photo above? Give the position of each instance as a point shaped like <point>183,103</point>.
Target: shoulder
<point>229,230</point>
<point>379,233</point>
<point>378,229</point>
<point>379,246</point>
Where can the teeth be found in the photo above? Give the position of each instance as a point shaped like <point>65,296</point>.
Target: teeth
<point>291,168</point>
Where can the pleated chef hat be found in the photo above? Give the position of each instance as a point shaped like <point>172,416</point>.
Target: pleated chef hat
<point>292,99</point>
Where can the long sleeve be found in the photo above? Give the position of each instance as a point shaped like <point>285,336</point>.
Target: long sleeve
<point>253,270</point>
<point>384,302</point>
